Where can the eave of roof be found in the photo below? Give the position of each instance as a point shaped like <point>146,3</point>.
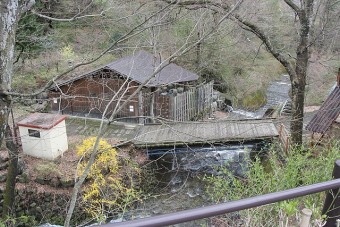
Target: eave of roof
<point>41,120</point>
<point>327,114</point>
<point>139,67</point>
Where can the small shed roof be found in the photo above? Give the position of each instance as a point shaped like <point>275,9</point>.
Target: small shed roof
<point>41,120</point>
<point>327,114</point>
<point>205,132</point>
<point>139,67</point>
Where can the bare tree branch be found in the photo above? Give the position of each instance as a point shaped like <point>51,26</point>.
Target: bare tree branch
<point>75,17</point>
<point>192,4</point>
<point>27,5</point>
<point>247,25</point>
<point>79,15</point>
<point>292,5</point>
<point>266,40</point>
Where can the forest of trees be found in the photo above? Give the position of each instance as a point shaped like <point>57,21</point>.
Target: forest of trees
<point>241,44</point>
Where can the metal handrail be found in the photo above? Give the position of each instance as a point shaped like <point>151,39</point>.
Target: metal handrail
<point>223,208</point>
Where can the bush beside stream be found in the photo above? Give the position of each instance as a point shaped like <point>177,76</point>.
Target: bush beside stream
<point>275,172</point>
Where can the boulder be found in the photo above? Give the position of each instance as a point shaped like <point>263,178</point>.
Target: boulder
<point>66,182</point>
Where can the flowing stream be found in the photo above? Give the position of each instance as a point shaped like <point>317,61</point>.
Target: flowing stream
<point>277,93</point>
<point>179,178</point>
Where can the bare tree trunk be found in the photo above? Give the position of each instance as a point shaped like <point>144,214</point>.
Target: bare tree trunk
<point>12,172</point>
<point>298,97</point>
<point>10,11</point>
<point>296,124</point>
<point>299,80</point>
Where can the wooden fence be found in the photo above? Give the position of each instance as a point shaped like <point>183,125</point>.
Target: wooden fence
<point>193,103</point>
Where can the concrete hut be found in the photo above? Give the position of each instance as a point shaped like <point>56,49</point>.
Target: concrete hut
<point>43,135</point>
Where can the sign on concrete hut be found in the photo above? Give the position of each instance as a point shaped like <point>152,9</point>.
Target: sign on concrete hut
<point>43,135</point>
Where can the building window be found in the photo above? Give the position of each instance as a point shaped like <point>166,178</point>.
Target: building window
<point>34,133</point>
<point>92,94</point>
<point>131,109</point>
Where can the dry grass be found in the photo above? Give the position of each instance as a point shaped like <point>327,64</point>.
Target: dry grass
<point>320,79</point>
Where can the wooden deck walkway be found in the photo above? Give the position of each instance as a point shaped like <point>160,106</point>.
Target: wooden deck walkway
<point>204,132</point>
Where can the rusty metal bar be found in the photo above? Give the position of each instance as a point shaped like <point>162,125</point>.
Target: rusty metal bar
<point>214,210</point>
<point>331,206</point>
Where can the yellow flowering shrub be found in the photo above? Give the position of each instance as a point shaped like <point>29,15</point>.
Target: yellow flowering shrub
<point>110,188</point>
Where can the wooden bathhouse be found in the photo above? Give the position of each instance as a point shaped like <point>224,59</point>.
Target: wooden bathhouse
<point>325,124</point>
<point>172,93</point>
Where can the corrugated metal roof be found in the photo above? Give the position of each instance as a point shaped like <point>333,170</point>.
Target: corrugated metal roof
<point>327,114</point>
<point>141,65</point>
<point>205,132</point>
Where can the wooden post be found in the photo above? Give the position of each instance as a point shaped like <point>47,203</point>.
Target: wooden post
<point>174,107</point>
<point>60,106</point>
<point>331,206</point>
<point>306,214</point>
<point>280,131</point>
<point>311,144</point>
<point>286,145</point>
<point>140,107</point>
<point>152,105</point>
<point>71,107</point>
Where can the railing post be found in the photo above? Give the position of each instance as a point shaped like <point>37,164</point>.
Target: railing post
<point>305,217</point>
<point>331,206</point>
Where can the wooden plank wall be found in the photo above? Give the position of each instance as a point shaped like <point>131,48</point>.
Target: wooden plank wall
<point>188,105</point>
<point>89,96</point>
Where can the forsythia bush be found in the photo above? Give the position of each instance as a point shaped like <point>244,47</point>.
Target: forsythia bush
<point>110,188</point>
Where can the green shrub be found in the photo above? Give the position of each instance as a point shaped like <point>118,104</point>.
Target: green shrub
<point>254,100</point>
<point>274,173</point>
<point>22,220</point>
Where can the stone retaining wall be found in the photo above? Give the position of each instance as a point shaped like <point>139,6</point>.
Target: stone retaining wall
<point>44,198</point>
<point>44,206</point>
